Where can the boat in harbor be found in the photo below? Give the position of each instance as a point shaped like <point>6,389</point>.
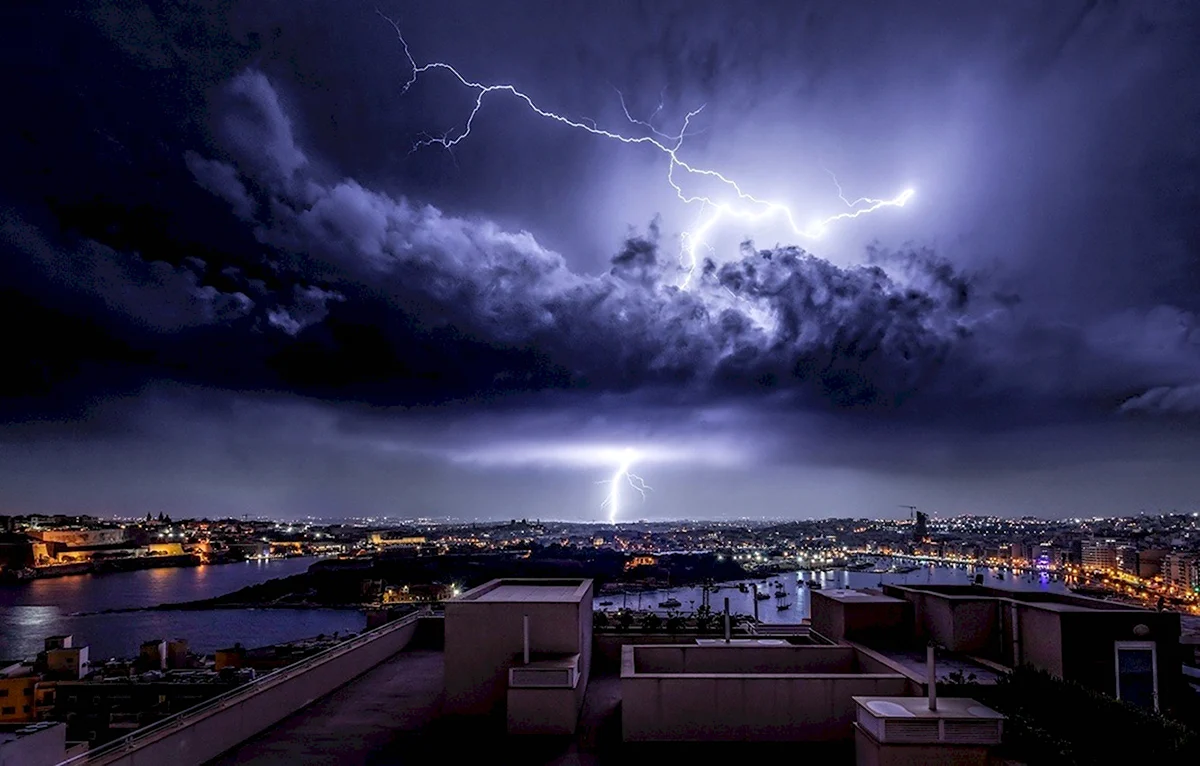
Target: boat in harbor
<point>763,596</point>
<point>781,600</point>
<point>606,603</point>
<point>814,584</point>
<point>671,603</point>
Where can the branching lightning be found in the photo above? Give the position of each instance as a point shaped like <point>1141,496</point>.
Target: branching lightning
<point>623,476</point>
<point>735,204</point>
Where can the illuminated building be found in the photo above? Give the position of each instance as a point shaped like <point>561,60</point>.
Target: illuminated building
<point>1098,555</point>
<point>641,561</point>
<point>1181,570</point>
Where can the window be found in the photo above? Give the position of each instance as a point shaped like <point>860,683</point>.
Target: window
<point>28,691</point>
<point>1137,673</point>
<point>8,711</point>
<point>3,692</point>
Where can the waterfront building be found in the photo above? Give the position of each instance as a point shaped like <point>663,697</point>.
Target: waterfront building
<point>80,538</point>
<point>18,684</point>
<point>641,561</point>
<point>382,539</point>
<point>1150,562</point>
<point>153,655</point>
<point>418,593</point>
<point>1128,559</point>
<point>64,660</point>
<point>1098,555</point>
<point>1182,570</point>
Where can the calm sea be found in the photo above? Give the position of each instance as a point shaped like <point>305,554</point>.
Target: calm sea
<point>32,610</point>
<point>797,596</point>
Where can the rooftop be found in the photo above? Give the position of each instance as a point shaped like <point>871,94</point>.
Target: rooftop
<point>393,714</point>
<point>949,666</point>
<point>918,707</point>
<point>851,596</point>
<point>528,591</point>
<point>1053,602</point>
<point>11,732</point>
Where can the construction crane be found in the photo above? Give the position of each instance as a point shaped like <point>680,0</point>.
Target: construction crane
<point>919,521</point>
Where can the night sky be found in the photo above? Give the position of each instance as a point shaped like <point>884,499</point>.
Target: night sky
<point>231,281</point>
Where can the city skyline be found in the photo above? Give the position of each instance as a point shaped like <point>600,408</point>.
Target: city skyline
<point>246,275</point>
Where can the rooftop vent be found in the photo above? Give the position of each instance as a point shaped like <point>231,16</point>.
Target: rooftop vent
<point>542,678</point>
<point>908,720</point>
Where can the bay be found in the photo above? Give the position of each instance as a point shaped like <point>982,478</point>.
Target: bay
<point>31,611</point>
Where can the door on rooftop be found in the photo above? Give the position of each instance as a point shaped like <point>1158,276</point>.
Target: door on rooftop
<point>1137,673</point>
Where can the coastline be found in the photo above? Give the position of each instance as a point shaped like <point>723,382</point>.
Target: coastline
<point>209,605</point>
<point>130,564</point>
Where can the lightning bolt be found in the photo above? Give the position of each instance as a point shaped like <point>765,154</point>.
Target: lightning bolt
<point>735,204</point>
<point>622,476</point>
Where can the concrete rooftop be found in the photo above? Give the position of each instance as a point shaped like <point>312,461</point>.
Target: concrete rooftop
<point>918,707</point>
<point>851,596</point>
<point>946,665</point>
<point>392,715</point>
<point>528,591</point>
<point>560,593</point>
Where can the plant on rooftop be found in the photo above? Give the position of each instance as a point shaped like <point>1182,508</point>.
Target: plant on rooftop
<point>625,619</point>
<point>957,677</point>
<point>651,622</point>
<point>1051,721</point>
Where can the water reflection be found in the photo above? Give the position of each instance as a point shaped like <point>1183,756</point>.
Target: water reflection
<point>32,610</point>
<point>148,587</point>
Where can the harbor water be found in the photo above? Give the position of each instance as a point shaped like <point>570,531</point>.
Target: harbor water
<point>30,611</point>
<point>795,596</point>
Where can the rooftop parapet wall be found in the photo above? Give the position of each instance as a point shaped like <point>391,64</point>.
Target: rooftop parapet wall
<point>747,692</point>
<point>751,660</point>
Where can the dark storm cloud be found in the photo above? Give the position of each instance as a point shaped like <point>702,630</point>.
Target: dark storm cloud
<point>375,297</point>
<point>853,336</point>
<point>784,321</point>
<point>222,180</point>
